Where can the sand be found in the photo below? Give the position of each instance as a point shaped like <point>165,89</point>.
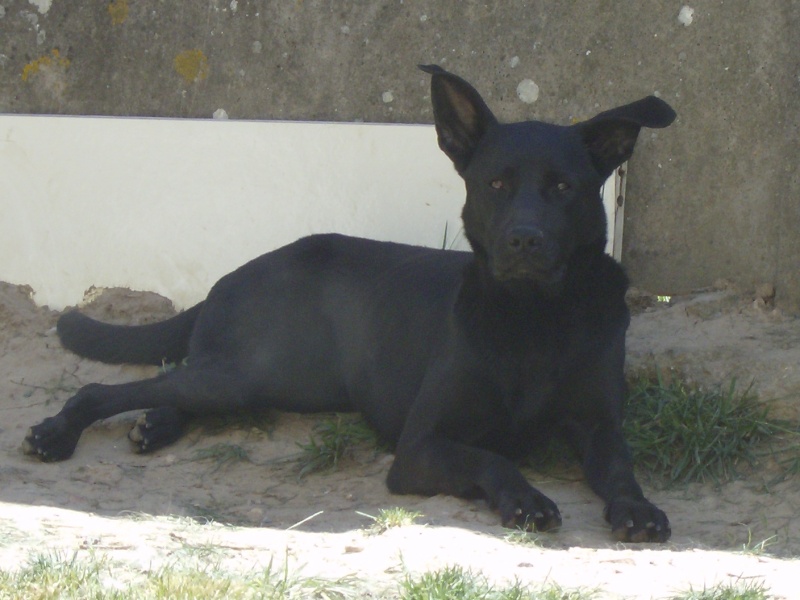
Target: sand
<point>141,509</point>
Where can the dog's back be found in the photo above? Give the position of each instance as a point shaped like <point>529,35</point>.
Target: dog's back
<point>332,322</point>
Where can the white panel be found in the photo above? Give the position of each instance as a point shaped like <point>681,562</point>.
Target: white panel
<point>613,193</point>
<point>172,205</point>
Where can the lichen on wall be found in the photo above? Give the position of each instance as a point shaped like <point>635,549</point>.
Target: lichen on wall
<point>192,65</point>
<point>47,63</point>
<point>118,11</point>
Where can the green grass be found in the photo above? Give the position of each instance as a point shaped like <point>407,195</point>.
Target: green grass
<point>757,548</point>
<point>523,537</point>
<point>335,438</point>
<point>55,576</point>
<point>222,454</point>
<point>681,434</point>
<point>741,590</point>
<point>457,582</point>
<point>58,576</point>
<point>450,244</point>
<point>171,366</point>
<point>685,434</point>
<point>391,518</point>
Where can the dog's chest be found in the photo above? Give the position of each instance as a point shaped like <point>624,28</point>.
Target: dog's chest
<point>535,360</point>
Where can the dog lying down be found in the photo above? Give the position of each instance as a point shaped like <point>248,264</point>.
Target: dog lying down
<point>463,362</point>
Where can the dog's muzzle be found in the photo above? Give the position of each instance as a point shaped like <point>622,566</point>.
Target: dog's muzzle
<point>525,254</point>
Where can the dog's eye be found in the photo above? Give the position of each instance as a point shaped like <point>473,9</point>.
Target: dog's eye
<point>563,186</point>
<point>497,184</point>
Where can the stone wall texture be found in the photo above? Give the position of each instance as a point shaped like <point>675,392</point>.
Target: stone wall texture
<point>715,196</point>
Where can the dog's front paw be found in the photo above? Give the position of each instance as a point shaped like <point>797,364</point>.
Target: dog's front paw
<point>51,440</point>
<point>637,521</point>
<point>529,510</point>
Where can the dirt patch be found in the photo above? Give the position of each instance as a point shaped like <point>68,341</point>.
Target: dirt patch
<point>318,522</point>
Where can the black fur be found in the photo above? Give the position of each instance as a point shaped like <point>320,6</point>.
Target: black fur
<point>462,361</point>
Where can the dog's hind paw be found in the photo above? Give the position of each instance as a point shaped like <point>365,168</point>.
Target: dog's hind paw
<point>51,440</point>
<point>156,428</point>
<point>637,521</point>
<point>531,511</point>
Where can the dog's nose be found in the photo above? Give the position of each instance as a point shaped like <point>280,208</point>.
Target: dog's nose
<point>525,239</point>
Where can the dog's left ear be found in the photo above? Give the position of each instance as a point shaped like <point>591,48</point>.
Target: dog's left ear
<point>460,114</point>
<point>611,135</point>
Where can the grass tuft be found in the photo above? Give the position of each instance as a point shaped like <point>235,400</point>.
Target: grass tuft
<point>695,435</point>
<point>757,548</point>
<point>48,577</point>
<point>456,582</point>
<point>740,590</point>
<point>223,454</point>
<point>523,537</point>
<point>338,438</point>
<point>58,576</point>
<point>172,366</point>
<point>390,518</point>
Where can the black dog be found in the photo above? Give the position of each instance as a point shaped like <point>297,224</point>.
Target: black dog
<point>462,361</point>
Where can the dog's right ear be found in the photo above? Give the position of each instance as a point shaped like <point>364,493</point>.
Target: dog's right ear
<point>460,114</point>
<point>611,135</point>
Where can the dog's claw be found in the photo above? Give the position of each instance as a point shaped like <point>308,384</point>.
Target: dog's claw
<point>51,440</point>
<point>155,429</point>
<point>637,521</point>
<point>529,510</point>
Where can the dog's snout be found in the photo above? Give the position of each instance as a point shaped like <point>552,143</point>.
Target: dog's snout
<point>525,239</point>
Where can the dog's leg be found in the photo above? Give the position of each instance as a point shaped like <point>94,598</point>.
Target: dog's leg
<point>430,461</point>
<point>609,471</point>
<point>181,393</point>
<point>607,461</point>
<point>436,465</point>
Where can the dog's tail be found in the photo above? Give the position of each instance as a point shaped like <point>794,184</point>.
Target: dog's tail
<point>152,344</point>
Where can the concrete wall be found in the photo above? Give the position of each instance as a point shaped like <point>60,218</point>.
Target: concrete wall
<point>714,196</point>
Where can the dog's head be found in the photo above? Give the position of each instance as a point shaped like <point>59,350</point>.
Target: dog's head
<point>533,188</point>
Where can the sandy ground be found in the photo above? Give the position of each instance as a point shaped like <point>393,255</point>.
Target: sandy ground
<point>261,510</point>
